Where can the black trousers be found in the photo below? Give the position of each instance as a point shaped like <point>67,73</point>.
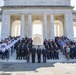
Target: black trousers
<point>33,58</point>
<point>17,55</point>
<point>56,55</point>
<point>28,57</point>
<point>48,55</point>
<point>75,54</point>
<point>22,55</point>
<point>52,55</point>
<point>39,58</point>
<point>72,55</point>
<point>44,58</point>
<point>6,53</point>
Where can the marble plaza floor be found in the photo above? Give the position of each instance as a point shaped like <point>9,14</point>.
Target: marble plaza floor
<point>52,67</point>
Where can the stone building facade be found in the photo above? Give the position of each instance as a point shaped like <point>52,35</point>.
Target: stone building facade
<point>56,18</point>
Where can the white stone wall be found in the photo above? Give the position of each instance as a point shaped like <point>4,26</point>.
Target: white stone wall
<point>48,28</point>
<point>69,25</point>
<point>74,16</point>
<point>68,19</point>
<point>26,26</point>
<point>5,29</point>
<point>37,2</point>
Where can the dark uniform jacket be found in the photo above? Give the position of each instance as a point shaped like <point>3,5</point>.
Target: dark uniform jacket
<point>44,52</point>
<point>38,51</point>
<point>33,51</point>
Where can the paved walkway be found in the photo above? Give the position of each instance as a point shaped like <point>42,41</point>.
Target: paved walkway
<point>52,67</point>
<point>38,69</point>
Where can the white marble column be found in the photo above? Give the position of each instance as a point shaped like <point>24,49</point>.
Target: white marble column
<point>52,26</point>
<point>30,26</point>
<point>45,26</point>
<point>22,26</point>
<point>5,29</point>
<point>68,27</point>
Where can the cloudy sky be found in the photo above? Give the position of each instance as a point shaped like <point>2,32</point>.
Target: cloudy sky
<point>73,3</point>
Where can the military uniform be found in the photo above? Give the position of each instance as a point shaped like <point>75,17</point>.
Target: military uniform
<point>39,55</point>
<point>28,54</point>
<point>56,53</point>
<point>22,51</point>
<point>17,52</point>
<point>72,52</point>
<point>48,52</point>
<point>52,52</point>
<point>25,48</point>
<point>0,49</point>
<point>44,52</point>
<point>33,52</point>
<point>75,52</point>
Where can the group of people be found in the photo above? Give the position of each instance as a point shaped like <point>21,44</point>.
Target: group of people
<point>67,46</point>
<point>7,46</point>
<point>25,49</point>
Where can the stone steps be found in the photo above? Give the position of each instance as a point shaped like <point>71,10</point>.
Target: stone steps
<point>61,59</point>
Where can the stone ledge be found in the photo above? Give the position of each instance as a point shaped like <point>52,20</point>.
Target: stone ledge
<point>37,6</point>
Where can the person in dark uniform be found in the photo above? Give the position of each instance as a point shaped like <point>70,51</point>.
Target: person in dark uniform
<point>52,52</point>
<point>17,52</point>
<point>28,54</point>
<point>30,45</point>
<point>44,52</point>
<point>0,49</point>
<point>7,52</point>
<point>48,52</point>
<point>33,52</point>
<point>56,52</point>
<point>45,42</point>
<point>39,54</point>
<point>22,50</point>
<point>25,49</point>
<point>75,52</point>
<point>72,51</point>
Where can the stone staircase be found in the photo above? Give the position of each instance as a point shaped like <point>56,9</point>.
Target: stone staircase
<point>61,59</point>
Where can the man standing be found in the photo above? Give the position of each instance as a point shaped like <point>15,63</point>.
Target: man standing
<point>22,51</point>
<point>75,52</point>
<point>52,52</point>
<point>44,52</point>
<point>39,54</point>
<point>28,54</point>
<point>56,52</point>
<point>48,52</point>
<point>72,51</point>
<point>17,52</point>
<point>33,52</point>
<point>3,49</point>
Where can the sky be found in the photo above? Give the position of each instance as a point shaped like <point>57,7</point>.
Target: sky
<point>73,3</point>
